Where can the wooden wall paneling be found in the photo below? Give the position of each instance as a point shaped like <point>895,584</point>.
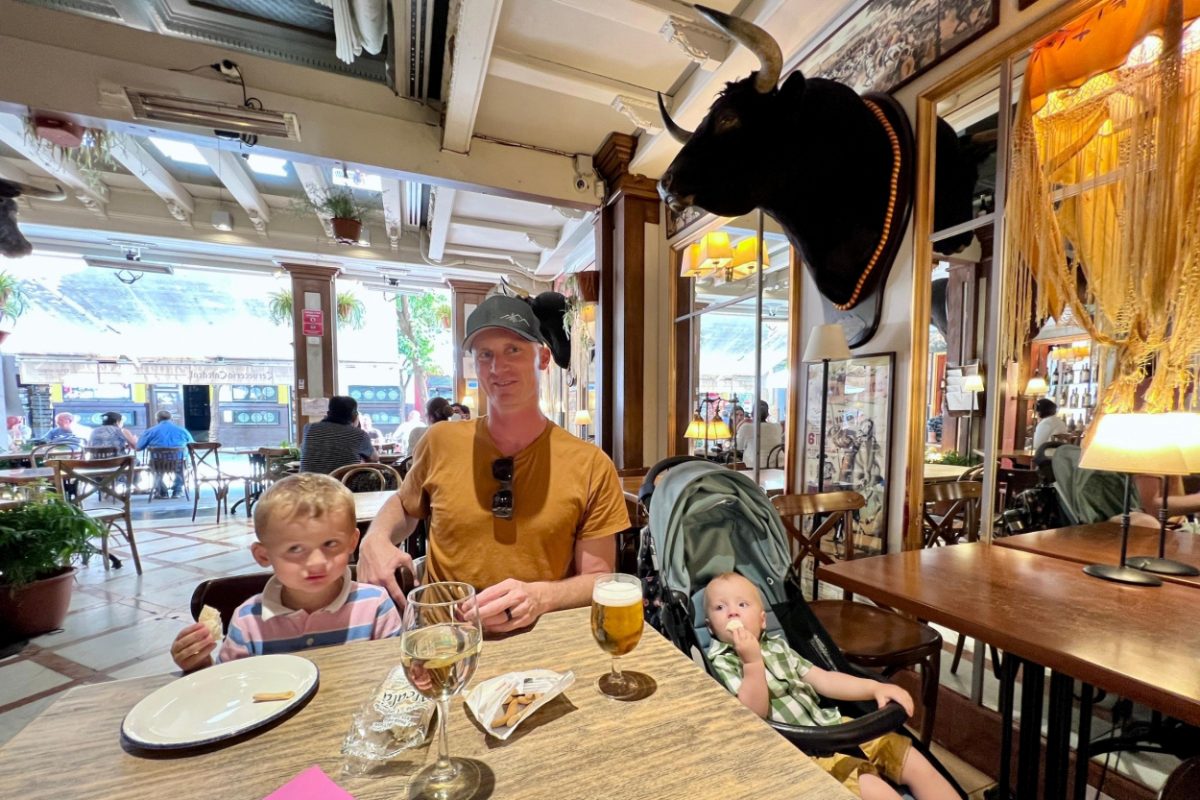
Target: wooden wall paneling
<point>314,358</point>
<point>463,294</point>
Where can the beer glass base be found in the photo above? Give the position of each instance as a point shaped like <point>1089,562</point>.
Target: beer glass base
<point>625,686</point>
<point>433,784</point>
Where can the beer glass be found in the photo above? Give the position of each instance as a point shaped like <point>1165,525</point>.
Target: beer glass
<point>439,648</point>
<point>617,627</point>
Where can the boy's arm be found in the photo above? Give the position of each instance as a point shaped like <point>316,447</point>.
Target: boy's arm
<point>840,686</point>
<point>387,619</point>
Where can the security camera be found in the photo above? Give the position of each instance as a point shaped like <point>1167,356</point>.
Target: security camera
<point>581,183</point>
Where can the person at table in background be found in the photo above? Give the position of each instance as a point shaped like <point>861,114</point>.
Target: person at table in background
<point>18,431</point>
<point>335,441</point>
<point>1049,424</point>
<point>771,433</point>
<point>364,423</point>
<point>777,683</point>
<point>306,530</point>
<point>438,409</point>
<point>517,507</point>
<point>64,431</point>
<point>166,433</point>
<point>112,434</point>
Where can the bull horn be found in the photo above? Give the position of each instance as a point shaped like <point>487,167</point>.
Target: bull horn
<point>754,39</point>
<point>681,135</point>
<point>25,190</point>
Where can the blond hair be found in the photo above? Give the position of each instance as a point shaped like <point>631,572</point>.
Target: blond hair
<point>309,495</point>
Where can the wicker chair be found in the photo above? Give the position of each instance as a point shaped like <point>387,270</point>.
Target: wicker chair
<point>368,477</point>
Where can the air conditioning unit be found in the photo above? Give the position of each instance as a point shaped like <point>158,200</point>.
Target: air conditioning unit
<point>221,117</point>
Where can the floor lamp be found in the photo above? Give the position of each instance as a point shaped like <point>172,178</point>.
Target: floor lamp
<point>972,385</point>
<point>583,418</point>
<point>826,343</point>
<point>1127,443</point>
<point>1180,430</point>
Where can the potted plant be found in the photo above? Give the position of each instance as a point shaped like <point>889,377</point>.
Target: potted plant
<point>349,309</point>
<point>12,303</point>
<point>337,204</point>
<point>38,542</point>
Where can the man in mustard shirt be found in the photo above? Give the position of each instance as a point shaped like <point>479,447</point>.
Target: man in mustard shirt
<point>517,507</point>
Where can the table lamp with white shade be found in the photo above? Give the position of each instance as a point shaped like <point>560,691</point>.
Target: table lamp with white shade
<point>974,385</point>
<point>583,418</point>
<point>1127,443</point>
<point>1176,432</point>
<point>826,343</point>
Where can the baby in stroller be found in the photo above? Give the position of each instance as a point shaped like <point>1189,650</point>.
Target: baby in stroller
<point>777,683</point>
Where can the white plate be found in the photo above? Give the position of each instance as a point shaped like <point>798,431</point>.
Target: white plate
<point>217,702</point>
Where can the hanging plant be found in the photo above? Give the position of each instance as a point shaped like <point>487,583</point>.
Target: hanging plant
<point>279,307</point>
<point>90,156</point>
<point>351,313</point>
<point>336,203</point>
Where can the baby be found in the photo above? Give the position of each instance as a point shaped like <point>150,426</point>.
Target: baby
<point>306,532</point>
<point>776,683</point>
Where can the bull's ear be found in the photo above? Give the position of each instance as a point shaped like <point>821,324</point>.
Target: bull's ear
<point>550,308</point>
<point>793,87</point>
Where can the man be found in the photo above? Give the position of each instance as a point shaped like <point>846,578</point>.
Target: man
<point>1049,424</point>
<point>530,538</point>
<point>772,436</point>
<point>64,430</point>
<point>166,434</point>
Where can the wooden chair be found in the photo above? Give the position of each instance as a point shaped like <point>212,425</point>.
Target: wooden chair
<point>109,481</point>
<point>959,512</point>
<point>869,636</point>
<point>44,453</point>
<point>91,453</point>
<point>206,471</point>
<point>775,457</point>
<point>167,462</point>
<point>367,477</point>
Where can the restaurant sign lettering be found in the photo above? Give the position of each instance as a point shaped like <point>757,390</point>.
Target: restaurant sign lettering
<point>33,370</point>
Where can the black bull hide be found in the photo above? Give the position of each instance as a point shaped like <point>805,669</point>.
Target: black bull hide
<point>12,243</point>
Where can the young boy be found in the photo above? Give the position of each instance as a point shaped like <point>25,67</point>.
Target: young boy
<point>775,682</point>
<point>306,532</point>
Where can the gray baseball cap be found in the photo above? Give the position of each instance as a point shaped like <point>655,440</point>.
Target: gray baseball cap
<point>501,311</point>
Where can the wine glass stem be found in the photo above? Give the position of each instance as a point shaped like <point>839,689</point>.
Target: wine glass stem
<point>616,670</point>
<point>443,765</point>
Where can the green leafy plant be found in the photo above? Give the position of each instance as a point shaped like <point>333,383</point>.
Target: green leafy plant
<point>334,202</point>
<point>279,307</point>
<point>41,537</point>
<point>350,310</point>
<point>953,459</point>
<point>12,299</point>
<point>421,320</point>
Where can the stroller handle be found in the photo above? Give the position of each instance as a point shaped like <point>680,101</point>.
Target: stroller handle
<point>647,489</point>
<point>818,740</point>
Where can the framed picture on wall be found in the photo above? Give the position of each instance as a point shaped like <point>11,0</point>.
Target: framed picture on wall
<point>858,439</point>
<point>887,43</point>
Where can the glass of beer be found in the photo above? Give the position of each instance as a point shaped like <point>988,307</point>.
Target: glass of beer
<point>439,648</point>
<point>617,627</point>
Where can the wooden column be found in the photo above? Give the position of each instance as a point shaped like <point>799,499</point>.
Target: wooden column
<point>465,296</point>
<point>314,357</point>
<point>622,330</point>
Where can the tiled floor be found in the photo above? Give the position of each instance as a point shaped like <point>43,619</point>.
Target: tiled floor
<point>121,624</point>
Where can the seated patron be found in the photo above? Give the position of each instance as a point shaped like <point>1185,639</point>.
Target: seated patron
<point>1049,424</point>
<point>335,441</point>
<point>771,432</point>
<point>64,431</point>
<point>438,409</point>
<point>112,434</point>
<point>167,433</point>
<point>516,506</point>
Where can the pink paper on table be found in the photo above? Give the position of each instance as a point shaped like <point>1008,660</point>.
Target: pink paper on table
<point>312,784</point>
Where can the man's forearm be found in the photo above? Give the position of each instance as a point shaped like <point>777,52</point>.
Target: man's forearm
<point>573,592</point>
<point>392,522</point>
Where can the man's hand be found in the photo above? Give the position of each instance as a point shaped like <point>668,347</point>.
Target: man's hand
<point>192,648</point>
<point>509,605</point>
<point>747,647</point>
<point>378,560</point>
<point>885,692</point>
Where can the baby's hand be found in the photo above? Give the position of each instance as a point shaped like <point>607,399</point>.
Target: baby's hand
<point>747,646</point>
<point>192,648</point>
<point>885,692</point>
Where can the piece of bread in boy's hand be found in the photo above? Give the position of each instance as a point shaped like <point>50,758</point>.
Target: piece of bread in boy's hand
<point>734,625</point>
<point>211,619</point>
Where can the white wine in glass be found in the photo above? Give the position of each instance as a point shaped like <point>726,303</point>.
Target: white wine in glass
<point>617,628</point>
<point>439,649</point>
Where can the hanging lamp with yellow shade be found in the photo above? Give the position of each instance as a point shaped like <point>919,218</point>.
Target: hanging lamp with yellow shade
<point>745,262</point>
<point>713,252</point>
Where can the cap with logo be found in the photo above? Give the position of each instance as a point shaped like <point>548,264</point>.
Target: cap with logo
<point>501,311</point>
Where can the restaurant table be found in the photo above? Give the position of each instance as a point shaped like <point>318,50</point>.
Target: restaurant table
<point>22,476</point>
<point>943,473</point>
<point>17,456</point>
<point>1134,641</point>
<point>1100,543</point>
<point>367,504</point>
<point>690,738</point>
<point>1017,456</point>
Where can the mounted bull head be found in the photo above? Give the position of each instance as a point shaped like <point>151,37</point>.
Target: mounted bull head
<point>832,167</point>
<point>12,243</point>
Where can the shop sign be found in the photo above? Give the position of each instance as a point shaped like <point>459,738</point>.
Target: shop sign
<point>312,322</point>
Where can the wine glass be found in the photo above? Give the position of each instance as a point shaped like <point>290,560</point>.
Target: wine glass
<point>439,649</point>
<point>617,628</point>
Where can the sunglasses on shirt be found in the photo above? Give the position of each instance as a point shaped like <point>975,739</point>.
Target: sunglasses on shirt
<point>502,500</point>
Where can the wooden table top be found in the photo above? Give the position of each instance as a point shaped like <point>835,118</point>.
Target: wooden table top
<point>1101,544</point>
<point>366,504</point>
<point>1139,642</point>
<point>26,475</point>
<point>943,473</point>
<point>773,482</point>
<point>675,743</point>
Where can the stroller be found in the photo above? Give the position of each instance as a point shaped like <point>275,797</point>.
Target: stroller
<point>705,520</point>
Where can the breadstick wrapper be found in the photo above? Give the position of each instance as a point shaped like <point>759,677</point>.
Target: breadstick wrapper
<point>535,687</point>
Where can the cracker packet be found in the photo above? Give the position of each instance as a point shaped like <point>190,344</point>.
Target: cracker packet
<point>505,701</point>
<point>393,718</point>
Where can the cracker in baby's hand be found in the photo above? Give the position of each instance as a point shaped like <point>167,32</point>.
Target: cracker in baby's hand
<point>211,619</point>
<point>734,625</point>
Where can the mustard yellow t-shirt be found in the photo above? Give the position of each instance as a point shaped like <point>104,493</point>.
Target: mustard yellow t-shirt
<point>564,490</point>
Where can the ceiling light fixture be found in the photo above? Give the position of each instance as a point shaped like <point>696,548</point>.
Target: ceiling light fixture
<point>209,114</point>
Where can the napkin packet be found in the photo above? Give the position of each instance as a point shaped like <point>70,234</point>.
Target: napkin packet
<point>505,701</point>
<point>393,718</point>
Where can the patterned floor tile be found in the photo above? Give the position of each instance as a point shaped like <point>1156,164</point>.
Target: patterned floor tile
<point>25,678</point>
<point>92,622</point>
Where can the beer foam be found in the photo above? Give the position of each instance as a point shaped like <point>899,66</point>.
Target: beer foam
<point>617,594</point>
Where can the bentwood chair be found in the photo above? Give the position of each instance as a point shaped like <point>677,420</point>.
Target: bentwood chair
<point>951,512</point>
<point>44,453</point>
<point>869,636</point>
<point>109,481</point>
<point>167,462</point>
<point>206,471</point>
<point>368,477</point>
<point>100,452</point>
